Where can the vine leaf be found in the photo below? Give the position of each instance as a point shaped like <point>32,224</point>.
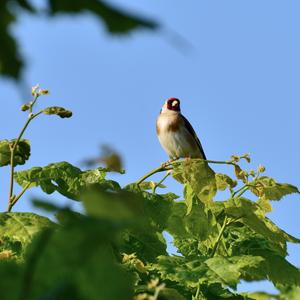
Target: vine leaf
<point>64,178</point>
<point>251,215</point>
<point>115,19</point>
<point>223,182</point>
<point>272,190</point>
<point>221,270</point>
<point>149,185</point>
<point>199,176</point>
<point>18,229</point>
<point>22,152</point>
<point>57,110</point>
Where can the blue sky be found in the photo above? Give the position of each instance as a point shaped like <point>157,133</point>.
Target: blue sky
<point>237,77</point>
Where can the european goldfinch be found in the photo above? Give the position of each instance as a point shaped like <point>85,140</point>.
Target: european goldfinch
<point>176,134</point>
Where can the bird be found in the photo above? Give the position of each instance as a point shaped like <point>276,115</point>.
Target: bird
<point>175,133</point>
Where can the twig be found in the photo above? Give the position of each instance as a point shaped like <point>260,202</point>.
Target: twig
<point>219,237</point>
<point>16,198</point>
<point>169,166</point>
<point>161,181</point>
<point>161,168</point>
<point>13,148</point>
<point>240,190</point>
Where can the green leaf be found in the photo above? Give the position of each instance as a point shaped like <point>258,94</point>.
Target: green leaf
<point>170,294</point>
<point>22,152</point>
<point>59,111</point>
<point>241,240</point>
<point>239,173</point>
<point>271,189</point>
<point>119,206</point>
<point>77,261</point>
<point>115,19</point>
<point>216,291</point>
<point>149,185</point>
<point>199,176</point>
<point>10,60</point>
<point>288,275</point>
<point>223,182</point>
<point>250,214</point>
<point>288,292</point>
<point>64,178</point>
<point>264,204</point>
<point>179,269</point>
<point>144,212</point>
<point>231,269</point>
<point>190,198</point>
<point>263,296</point>
<point>10,274</point>
<point>18,229</point>
<point>221,270</point>
<point>194,233</point>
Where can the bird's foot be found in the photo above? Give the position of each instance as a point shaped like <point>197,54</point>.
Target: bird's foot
<point>167,163</point>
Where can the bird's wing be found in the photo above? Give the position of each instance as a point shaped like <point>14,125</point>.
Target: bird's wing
<point>191,130</point>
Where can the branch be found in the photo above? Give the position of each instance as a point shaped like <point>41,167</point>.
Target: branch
<point>161,181</point>
<point>215,248</point>
<point>169,166</point>
<point>13,148</point>
<point>14,199</point>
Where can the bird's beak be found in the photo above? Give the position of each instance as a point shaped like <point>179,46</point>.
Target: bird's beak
<point>174,103</point>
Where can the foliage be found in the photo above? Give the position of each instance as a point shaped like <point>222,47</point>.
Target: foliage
<point>115,247</point>
<point>116,20</point>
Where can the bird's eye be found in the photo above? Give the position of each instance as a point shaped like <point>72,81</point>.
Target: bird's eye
<point>174,103</point>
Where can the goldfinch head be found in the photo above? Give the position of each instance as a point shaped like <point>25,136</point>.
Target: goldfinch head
<point>171,104</point>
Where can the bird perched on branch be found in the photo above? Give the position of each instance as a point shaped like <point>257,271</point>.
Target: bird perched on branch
<point>176,134</point>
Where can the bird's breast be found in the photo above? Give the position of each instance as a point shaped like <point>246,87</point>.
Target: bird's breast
<point>174,137</point>
<point>167,123</point>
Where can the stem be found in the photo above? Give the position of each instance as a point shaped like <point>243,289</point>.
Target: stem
<point>13,148</point>
<point>161,181</point>
<point>242,191</point>
<point>215,248</point>
<point>158,169</point>
<point>197,292</point>
<point>169,164</point>
<point>15,199</point>
<point>12,157</point>
<point>33,102</point>
<point>239,190</point>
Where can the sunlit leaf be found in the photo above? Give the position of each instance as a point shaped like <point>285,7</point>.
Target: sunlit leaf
<point>18,229</point>
<point>252,216</point>
<point>199,176</point>
<point>239,173</point>
<point>59,111</point>
<point>223,181</point>
<point>272,190</point>
<point>65,179</point>
<point>149,185</point>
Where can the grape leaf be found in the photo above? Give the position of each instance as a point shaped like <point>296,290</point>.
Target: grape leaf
<point>59,111</point>
<point>115,20</point>
<point>77,259</point>
<point>18,229</point>
<point>272,190</point>
<point>199,176</point>
<point>223,182</point>
<point>65,179</point>
<point>250,213</point>
<point>22,152</point>
<point>231,269</point>
<point>222,270</point>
